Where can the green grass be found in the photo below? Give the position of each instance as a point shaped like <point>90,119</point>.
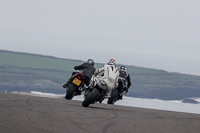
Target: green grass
<point>29,68</point>
<point>39,62</point>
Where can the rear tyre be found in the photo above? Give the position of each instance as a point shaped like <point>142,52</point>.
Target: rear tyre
<point>70,91</point>
<point>90,99</point>
<point>113,97</point>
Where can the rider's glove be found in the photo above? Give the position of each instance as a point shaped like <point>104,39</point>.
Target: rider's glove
<point>75,68</point>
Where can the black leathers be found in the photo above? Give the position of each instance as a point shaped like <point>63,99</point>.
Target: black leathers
<point>126,76</point>
<point>88,71</point>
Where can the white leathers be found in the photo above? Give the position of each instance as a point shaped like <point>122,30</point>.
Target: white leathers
<point>110,76</point>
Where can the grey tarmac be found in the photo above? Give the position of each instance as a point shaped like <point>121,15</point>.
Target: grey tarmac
<point>33,114</point>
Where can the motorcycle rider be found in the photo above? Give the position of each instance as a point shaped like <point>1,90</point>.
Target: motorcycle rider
<point>87,69</point>
<point>110,76</point>
<point>123,75</point>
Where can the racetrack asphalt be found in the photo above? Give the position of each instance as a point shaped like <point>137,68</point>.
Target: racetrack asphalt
<point>32,114</point>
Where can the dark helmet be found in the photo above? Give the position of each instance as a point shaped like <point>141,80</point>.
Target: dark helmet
<point>90,61</point>
<point>111,62</point>
<point>122,68</point>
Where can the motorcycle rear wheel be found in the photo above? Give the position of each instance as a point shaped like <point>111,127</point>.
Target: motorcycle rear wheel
<point>113,97</point>
<point>70,92</point>
<point>90,99</point>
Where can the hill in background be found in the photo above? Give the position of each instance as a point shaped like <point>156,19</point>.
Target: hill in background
<point>30,72</point>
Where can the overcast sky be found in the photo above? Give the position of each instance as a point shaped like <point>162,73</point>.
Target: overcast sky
<point>160,34</point>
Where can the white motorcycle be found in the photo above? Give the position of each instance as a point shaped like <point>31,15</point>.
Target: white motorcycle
<point>96,91</point>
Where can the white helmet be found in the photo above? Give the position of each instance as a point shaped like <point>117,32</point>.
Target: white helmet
<point>111,62</point>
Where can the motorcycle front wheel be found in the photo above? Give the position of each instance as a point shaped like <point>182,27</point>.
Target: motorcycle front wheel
<point>113,97</point>
<point>70,91</point>
<point>90,98</point>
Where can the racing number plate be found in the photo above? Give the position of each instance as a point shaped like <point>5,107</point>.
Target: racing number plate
<point>77,81</point>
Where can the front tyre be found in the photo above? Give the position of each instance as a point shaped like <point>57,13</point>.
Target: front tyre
<point>90,98</point>
<point>70,91</point>
<point>113,97</point>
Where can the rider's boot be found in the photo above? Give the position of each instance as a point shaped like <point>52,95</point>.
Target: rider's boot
<point>100,100</point>
<point>120,97</point>
<point>66,84</point>
<point>108,94</point>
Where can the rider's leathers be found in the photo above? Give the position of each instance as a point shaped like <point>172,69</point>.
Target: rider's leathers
<point>110,76</point>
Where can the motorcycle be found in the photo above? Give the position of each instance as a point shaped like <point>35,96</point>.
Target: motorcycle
<point>96,91</point>
<point>76,85</point>
<point>118,93</point>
